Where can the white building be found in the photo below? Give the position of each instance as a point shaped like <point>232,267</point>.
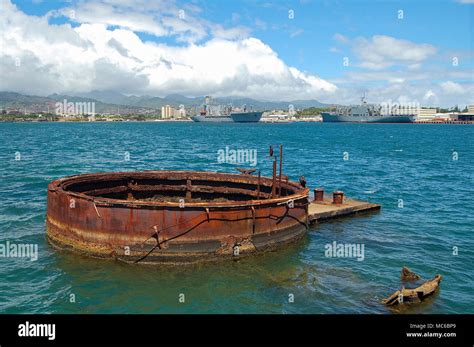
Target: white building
<point>426,114</point>
<point>169,112</point>
<point>276,116</point>
<point>166,112</point>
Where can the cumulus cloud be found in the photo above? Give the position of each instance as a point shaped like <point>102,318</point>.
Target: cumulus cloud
<point>160,48</point>
<point>104,51</point>
<point>423,92</point>
<point>392,69</point>
<point>382,51</point>
<point>452,87</point>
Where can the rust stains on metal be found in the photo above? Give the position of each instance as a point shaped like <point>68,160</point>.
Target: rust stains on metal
<point>174,216</point>
<point>318,194</point>
<point>338,198</point>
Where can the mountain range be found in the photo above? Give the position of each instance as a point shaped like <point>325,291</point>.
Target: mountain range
<point>176,99</point>
<point>109,101</point>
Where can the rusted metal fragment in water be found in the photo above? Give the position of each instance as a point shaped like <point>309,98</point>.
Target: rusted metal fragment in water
<point>414,295</point>
<point>173,216</point>
<point>408,275</point>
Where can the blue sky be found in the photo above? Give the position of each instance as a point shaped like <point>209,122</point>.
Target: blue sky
<point>445,24</point>
<point>318,39</point>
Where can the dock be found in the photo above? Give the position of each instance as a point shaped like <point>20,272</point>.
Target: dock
<point>326,207</point>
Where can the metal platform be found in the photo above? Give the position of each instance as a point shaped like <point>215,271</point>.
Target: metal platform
<point>324,210</point>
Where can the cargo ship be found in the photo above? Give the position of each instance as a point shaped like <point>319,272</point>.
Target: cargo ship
<point>367,113</point>
<point>218,114</point>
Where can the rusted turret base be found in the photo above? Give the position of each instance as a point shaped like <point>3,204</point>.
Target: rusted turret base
<point>174,217</point>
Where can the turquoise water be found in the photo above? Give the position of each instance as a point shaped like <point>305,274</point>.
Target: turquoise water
<point>387,162</point>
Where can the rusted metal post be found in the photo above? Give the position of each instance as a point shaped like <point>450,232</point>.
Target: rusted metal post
<point>319,194</point>
<point>274,177</point>
<point>338,197</point>
<point>281,165</point>
<point>258,186</point>
<point>129,193</point>
<point>188,189</point>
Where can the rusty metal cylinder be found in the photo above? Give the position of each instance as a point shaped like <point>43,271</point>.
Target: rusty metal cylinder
<point>319,194</point>
<point>338,197</point>
<point>149,217</point>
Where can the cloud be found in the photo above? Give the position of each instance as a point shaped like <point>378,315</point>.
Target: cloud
<point>232,33</point>
<point>382,51</point>
<point>260,24</point>
<point>452,87</point>
<point>103,51</point>
<point>423,92</point>
<point>340,38</point>
<point>430,97</point>
<point>296,33</point>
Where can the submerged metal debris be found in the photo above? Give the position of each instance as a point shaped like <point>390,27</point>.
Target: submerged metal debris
<point>408,275</point>
<point>415,295</point>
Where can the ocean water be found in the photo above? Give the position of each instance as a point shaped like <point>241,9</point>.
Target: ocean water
<point>411,170</point>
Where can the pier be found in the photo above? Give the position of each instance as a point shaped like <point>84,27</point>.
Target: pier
<point>325,207</point>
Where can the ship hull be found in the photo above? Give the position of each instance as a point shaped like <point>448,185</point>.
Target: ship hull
<point>242,117</point>
<point>212,119</point>
<point>246,117</point>
<point>336,118</point>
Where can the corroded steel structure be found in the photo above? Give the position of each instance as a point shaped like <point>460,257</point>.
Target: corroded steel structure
<point>174,216</point>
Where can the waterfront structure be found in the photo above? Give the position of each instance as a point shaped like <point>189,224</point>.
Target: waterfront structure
<point>276,116</point>
<point>466,116</point>
<point>426,114</point>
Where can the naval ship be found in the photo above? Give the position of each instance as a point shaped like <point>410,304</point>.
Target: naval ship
<point>366,113</point>
<point>211,112</point>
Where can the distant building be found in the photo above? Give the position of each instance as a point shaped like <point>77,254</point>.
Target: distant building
<point>276,116</point>
<point>426,114</point>
<point>181,112</point>
<point>466,116</point>
<point>166,112</point>
<point>444,117</point>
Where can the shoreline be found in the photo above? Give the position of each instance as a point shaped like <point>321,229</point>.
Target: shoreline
<point>261,122</point>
